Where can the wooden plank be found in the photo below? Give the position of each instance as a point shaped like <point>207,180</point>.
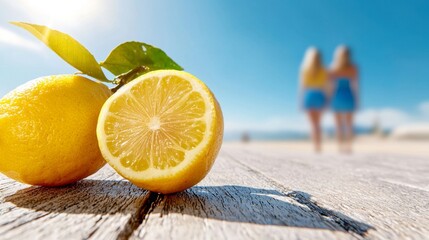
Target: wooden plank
<point>100,207</point>
<point>389,192</point>
<point>235,202</point>
<point>253,192</point>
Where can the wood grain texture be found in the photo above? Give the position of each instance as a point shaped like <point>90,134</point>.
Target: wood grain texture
<point>100,207</point>
<point>389,192</point>
<point>253,192</point>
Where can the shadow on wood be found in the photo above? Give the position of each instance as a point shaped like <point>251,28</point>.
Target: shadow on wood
<point>83,197</point>
<point>225,203</point>
<point>257,206</point>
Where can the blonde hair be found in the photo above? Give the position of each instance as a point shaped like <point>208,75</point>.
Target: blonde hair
<point>313,73</point>
<point>342,58</point>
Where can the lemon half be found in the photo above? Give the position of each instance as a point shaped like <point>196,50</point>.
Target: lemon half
<point>162,131</point>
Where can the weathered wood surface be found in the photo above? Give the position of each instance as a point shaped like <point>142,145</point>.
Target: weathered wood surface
<point>253,192</point>
<point>388,192</point>
<point>101,207</point>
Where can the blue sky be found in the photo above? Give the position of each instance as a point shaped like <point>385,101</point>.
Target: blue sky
<point>247,52</point>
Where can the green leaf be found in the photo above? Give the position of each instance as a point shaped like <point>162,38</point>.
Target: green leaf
<point>132,55</point>
<point>67,48</point>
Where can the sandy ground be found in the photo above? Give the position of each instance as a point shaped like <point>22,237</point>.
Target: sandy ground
<point>362,145</point>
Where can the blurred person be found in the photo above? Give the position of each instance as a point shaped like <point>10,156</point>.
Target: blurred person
<point>313,78</point>
<point>245,137</point>
<point>344,96</point>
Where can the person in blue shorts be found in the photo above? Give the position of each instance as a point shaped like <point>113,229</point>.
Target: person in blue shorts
<point>314,78</point>
<point>344,96</point>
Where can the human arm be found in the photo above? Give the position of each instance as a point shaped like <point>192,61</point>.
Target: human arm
<point>356,86</point>
<point>300,90</point>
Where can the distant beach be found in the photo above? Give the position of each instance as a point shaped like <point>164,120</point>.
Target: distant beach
<point>283,135</point>
<point>363,145</point>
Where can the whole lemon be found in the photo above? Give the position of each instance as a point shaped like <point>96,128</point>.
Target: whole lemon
<point>48,130</point>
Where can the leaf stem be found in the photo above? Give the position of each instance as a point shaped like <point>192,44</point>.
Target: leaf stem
<point>127,77</point>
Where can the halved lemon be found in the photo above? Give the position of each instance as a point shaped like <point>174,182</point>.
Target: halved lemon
<point>162,131</point>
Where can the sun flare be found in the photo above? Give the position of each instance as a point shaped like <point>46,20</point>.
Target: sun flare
<point>61,11</point>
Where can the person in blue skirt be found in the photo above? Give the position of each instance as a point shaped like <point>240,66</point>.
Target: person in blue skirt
<point>344,96</point>
<point>314,78</point>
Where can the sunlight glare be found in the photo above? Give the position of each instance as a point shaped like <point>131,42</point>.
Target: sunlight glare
<point>69,12</point>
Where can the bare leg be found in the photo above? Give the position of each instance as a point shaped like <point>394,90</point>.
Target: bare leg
<point>339,130</point>
<point>316,133</point>
<point>349,134</point>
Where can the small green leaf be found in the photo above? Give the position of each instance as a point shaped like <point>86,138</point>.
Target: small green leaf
<point>131,55</point>
<point>67,48</point>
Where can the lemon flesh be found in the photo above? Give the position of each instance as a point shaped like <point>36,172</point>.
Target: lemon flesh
<point>162,131</point>
<point>48,130</point>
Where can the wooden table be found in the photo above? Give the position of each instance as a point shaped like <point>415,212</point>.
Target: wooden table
<point>253,192</point>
